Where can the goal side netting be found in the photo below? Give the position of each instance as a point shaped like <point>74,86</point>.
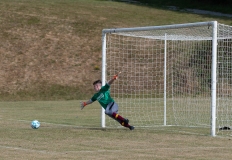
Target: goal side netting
<point>170,75</point>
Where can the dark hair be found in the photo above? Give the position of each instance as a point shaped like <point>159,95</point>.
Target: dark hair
<point>97,81</point>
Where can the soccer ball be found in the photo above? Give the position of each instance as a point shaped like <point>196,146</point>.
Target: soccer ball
<point>35,124</point>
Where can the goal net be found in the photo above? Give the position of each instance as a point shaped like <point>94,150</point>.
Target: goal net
<point>173,75</point>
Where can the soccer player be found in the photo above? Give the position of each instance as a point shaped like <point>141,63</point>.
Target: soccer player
<point>108,103</point>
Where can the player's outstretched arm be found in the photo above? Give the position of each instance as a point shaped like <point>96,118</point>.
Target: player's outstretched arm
<point>114,78</point>
<point>83,104</point>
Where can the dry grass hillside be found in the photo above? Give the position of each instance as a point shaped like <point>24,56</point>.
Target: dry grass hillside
<point>52,48</point>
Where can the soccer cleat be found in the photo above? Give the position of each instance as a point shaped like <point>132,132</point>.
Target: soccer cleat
<point>126,120</point>
<point>131,127</point>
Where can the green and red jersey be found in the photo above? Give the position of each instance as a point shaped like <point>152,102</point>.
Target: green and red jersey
<point>103,96</point>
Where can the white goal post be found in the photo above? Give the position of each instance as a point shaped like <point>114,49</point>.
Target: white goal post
<point>172,75</point>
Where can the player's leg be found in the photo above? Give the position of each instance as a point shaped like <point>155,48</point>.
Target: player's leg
<point>122,122</point>
<point>112,111</point>
<point>119,121</point>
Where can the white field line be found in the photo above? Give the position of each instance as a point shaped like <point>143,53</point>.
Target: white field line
<point>41,122</point>
<point>23,149</point>
<point>98,151</point>
<point>54,152</point>
<point>87,127</point>
<point>69,125</point>
<point>62,125</point>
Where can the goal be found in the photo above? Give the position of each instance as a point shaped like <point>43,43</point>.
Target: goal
<point>172,75</point>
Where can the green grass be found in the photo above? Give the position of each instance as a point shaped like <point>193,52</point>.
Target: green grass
<point>66,132</point>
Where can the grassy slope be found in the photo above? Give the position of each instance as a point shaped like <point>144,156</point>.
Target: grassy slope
<point>52,48</point>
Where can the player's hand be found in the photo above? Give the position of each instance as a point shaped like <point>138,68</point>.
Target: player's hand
<point>116,75</point>
<point>83,104</point>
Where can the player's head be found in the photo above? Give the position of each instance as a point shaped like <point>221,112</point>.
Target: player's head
<point>97,85</point>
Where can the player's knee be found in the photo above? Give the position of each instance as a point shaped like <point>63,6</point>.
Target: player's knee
<point>108,112</point>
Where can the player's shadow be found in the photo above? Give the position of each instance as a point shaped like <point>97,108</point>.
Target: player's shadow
<point>102,129</point>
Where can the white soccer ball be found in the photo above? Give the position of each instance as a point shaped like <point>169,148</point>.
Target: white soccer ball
<point>35,124</point>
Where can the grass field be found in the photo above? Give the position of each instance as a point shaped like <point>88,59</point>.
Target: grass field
<point>67,132</point>
<point>50,52</point>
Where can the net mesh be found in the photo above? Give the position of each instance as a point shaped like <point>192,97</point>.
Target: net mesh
<point>139,83</point>
<point>140,88</point>
<point>224,80</point>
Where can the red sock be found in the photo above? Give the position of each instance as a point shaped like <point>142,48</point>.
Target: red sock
<point>117,116</point>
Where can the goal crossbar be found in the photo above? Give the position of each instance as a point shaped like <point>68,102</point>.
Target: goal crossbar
<point>148,28</point>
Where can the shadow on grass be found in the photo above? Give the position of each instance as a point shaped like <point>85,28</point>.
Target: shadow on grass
<point>224,7</point>
<point>204,8</point>
<point>102,129</point>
